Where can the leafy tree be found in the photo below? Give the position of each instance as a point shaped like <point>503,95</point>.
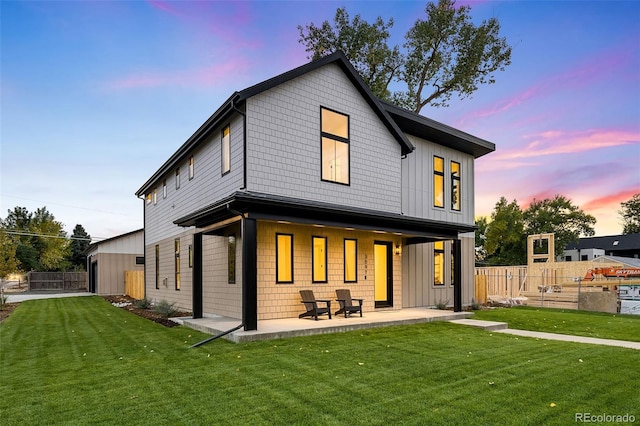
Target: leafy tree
<point>80,241</point>
<point>630,214</point>
<point>364,44</point>
<point>8,261</point>
<point>560,216</point>
<point>481,237</point>
<point>506,241</point>
<point>41,240</point>
<point>444,54</point>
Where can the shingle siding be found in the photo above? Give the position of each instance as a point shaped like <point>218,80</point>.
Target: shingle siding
<point>207,186</point>
<point>284,144</point>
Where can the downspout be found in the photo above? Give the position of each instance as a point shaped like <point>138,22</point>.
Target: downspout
<point>244,142</point>
<point>144,244</point>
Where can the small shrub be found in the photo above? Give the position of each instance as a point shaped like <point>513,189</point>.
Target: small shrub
<point>165,308</point>
<point>442,305</point>
<point>475,305</point>
<point>143,303</point>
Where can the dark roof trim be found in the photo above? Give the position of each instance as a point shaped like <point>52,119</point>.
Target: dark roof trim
<point>341,60</point>
<point>203,132</point>
<point>437,132</point>
<point>264,206</point>
<point>227,108</point>
<point>624,242</point>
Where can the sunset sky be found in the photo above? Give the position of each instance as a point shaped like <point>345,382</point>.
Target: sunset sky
<point>95,96</point>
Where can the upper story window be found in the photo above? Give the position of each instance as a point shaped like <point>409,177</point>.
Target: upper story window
<point>191,167</point>
<point>455,186</point>
<point>335,146</point>
<point>178,178</point>
<point>438,181</point>
<point>149,198</point>
<point>164,188</point>
<point>226,150</point>
<point>155,196</point>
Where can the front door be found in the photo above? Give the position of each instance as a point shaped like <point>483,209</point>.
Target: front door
<point>383,274</point>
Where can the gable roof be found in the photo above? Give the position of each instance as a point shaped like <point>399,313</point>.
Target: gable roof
<point>230,106</point>
<point>610,243</point>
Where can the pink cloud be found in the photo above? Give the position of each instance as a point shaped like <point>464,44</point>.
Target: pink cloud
<point>597,68</point>
<point>557,142</point>
<point>611,201</point>
<point>209,76</point>
<point>227,21</point>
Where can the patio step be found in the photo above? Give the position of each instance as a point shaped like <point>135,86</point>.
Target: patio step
<point>485,325</point>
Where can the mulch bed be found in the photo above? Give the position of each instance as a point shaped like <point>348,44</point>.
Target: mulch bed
<point>7,308</point>
<point>129,304</point>
<point>124,302</point>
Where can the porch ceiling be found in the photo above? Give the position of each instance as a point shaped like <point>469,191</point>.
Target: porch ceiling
<point>270,207</point>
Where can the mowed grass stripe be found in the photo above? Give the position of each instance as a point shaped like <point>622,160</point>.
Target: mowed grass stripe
<point>565,321</point>
<point>437,373</point>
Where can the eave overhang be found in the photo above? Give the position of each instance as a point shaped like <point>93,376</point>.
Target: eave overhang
<point>436,132</point>
<point>294,210</point>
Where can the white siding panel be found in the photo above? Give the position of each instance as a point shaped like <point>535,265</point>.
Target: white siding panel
<point>417,178</point>
<point>284,155</point>
<point>207,186</point>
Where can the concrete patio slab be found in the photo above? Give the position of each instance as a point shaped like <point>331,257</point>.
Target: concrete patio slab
<point>485,325</point>
<point>292,327</point>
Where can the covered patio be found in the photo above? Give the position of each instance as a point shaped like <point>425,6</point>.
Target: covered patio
<point>293,327</point>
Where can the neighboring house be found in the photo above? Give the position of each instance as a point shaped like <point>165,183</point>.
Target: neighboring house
<point>108,259</point>
<point>592,247</point>
<point>307,181</point>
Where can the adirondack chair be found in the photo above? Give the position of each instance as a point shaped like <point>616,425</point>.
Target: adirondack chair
<point>311,304</point>
<point>346,303</point>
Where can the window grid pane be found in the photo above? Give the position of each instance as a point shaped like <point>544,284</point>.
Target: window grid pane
<point>438,182</point>
<point>226,151</point>
<point>335,146</point>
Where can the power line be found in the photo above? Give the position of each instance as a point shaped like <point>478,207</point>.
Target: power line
<point>33,234</point>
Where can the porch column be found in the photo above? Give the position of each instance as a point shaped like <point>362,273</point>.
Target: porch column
<point>249,274</point>
<point>457,275</point>
<point>197,275</point>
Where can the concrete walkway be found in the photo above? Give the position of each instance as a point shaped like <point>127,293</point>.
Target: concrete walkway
<point>502,327</point>
<point>22,297</point>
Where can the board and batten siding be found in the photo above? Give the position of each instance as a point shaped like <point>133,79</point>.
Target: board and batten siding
<point>417,183</point>
<point>284,144</point>
<point>207,186</point>
<point>418,274</point>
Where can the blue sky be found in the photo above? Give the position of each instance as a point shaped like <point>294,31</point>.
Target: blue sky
<point>95,96</point>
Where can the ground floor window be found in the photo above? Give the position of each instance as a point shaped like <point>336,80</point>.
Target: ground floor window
<point>157,266</point>
<point>319,260</point>
<point>350,260</point>
<point>284,258</point>
<point>438,263</point>
<point>177,262</point>
<point>231,266</point>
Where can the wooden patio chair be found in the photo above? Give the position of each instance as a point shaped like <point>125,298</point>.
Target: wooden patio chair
<point>311,304</point>
<point>346,303</point>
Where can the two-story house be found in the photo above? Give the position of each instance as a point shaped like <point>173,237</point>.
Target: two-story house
<point>308,181</point>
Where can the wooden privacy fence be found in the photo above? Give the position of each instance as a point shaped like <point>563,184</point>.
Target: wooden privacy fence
<point>134,284</point>
<point>57,281</point>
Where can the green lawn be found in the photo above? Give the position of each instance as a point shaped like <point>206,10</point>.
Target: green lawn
<point>565,321</point>
<point>80,361</point>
